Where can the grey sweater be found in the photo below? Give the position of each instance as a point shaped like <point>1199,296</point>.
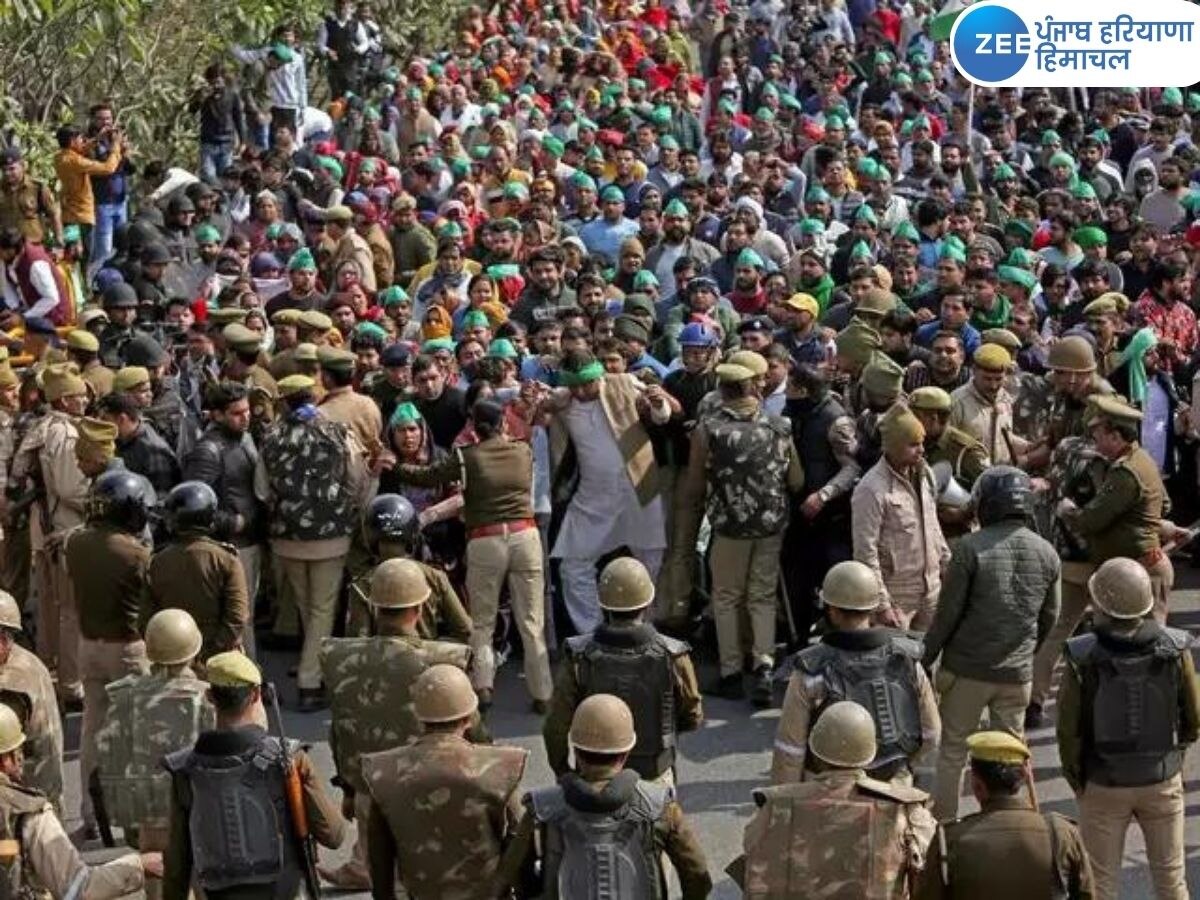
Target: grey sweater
<point>999,600</point>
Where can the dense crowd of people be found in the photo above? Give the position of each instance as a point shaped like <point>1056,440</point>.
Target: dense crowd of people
<point>610,327</point>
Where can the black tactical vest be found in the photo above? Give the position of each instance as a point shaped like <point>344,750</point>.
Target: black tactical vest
<point>238,822</point>
<point>1131,714</point>
<point>641,675</point>
<point>884,681</point>
<point>601,854</point>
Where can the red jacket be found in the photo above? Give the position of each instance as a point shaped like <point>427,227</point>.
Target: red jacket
<point>33,253</point>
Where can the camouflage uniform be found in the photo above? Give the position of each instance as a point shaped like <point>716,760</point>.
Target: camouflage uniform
<point>148,717</point>
<point>1031,408</point>
<point>840,834</point>
<point>27,677</point>
<point>366,675</point>
<point>442,811</point>
<point>443,616</point>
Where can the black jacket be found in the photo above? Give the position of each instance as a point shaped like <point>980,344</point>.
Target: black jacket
<point>227,464</point>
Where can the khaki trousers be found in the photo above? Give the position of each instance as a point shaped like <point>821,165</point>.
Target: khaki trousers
<point>745,574</point>
<point>286,622</point>
<point>100,663</point>
<point>314,584</point>
<point>58,619</point>
<point>677,579</point>
<point>1162,581</point>
<point>1104,817</point>
<point>250,558</point>
<point>1075,600</point>
<point>515,558</point>
<point>961,703</point>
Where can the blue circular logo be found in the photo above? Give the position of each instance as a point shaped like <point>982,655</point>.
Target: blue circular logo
<point>991,43</point>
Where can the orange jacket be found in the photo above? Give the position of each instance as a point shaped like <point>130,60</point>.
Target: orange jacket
<point>75,173</point>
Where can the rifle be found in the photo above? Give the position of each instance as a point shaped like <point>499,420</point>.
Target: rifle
<point>294,792</point>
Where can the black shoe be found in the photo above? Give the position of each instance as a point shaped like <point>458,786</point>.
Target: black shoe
<point>729,687</point>
<point>485,699</point>
<point>761,688</point>
<point>1034,715</point>
<point>70,704</point>
<point>540,707</point>
<point>311,700</point>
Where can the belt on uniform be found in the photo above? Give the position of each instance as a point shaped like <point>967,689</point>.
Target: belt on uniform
<point>511,527</point>
<point>1152,558</point>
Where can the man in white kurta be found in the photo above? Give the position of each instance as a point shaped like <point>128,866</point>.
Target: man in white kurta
<point>608,510</point>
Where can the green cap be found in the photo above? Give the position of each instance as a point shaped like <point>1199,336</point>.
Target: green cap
<point>406,414</point>
<point>205,234</point>
<point>906,231</point>
<point>392,296</point>
<point>475,318</point>
<point>1014,275</point>
<point>302,261</point>
<point>1090,236</point>
<point>502,348</point>
<point>612,194</point>
<point>749,257</point>
<point>1050,136</point>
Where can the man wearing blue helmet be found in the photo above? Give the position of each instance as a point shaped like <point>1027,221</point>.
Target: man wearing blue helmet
<point>702,300</point>
<point>699,350</point>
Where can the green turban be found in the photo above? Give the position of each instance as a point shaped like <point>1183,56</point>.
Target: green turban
<point>302,261</point>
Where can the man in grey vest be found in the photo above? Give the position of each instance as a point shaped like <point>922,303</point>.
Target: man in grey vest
<point>226,786</point>
<point>571,827</point>
<point>651,672</point>
<point>744,460</point>
<point>999,599</point>
<point>369,674</point>
<point>1128,708</point>
<point>878,668</point>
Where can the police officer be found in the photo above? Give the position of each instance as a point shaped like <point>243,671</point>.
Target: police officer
<point>878,668</point>
<point>150,716</point>
<point>451,847</point>
<point>1121,518</point>
<point>1128,708</point>
<point>572,827</point>
<point>1125,516</point>
<point>807,838</point>
<point>943,442</point>
<point>1008,849</point>
<point>628,657</point>
<point>24,675</point>
<point>749,512</point>
<point>369,674</point>
<point>393,531</point>
<point>36,851</point>
<point>999,599</point>
<point>225,787</point>
<point>120,302</point>
<point>107,561</point>
<point>201,574</point>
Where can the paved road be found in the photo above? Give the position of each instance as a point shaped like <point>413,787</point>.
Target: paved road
<point>729,756</point>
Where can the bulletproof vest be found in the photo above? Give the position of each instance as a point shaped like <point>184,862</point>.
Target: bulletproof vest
<point>368,674</point>
<point>22,676</point>
<point>747,471</point>
<point>1076,472</point>
<point>601,855</point>
<point>642,676</point>
<point>829,832</point>
<point>239,818</point>
<point>16,802</point>
<point>306,467</point>
<point>452,794</point>
<point>884,681</point>
<point>811,434</point>
<point>1131,708</point>
<point>149,717</point>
